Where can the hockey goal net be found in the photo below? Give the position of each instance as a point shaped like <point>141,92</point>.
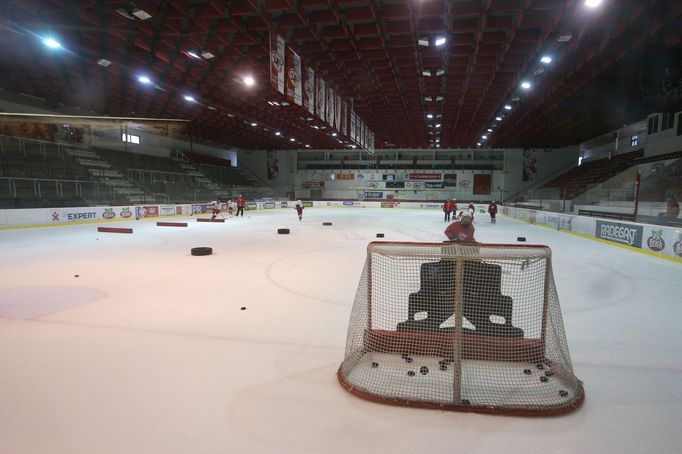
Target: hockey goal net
<point>460,327</point>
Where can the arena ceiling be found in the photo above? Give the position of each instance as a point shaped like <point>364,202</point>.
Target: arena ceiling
<point>410,92</point>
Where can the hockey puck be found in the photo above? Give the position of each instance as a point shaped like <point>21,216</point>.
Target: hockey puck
<point>243,308</point>
<point>521,238</point>
<point>423,370</point>
<point>380,235</point>
<point>410,373</point>
<point>326,223</point>
<point>283,231</point>
<point>76,275</point>
<point>202,251</point>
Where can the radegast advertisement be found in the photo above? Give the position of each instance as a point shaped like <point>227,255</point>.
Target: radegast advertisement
<point>628,234</point>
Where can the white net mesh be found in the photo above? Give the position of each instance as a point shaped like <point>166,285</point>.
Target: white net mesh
<point>462,327</point>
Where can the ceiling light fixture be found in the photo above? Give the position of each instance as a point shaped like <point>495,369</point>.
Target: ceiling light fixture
<point>498,118</point>
<point>440,41</point>
<point>525,85</point>
<point>192,54</point>
<point>52,43</point>
<point>141,14</point>
<point>254,124</point>
<point>248,81</point>
<point>507,107</point>
<point>277,133</point>
<point>144,80</point>
<point>207,55</point>
<point>429,116</point>
<point>189,98</point>
<point>292,140</point>
<point>427,73</point>
<point>423,41</point>
<point>546,59</point>
<point>592,3</point>
<point>490,130</point>
<point>103,62</point>
<point>484,137</point>
<point>440,71</point>
<point>334,134</point>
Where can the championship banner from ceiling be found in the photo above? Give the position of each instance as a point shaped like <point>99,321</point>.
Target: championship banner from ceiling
<point>277,47</point>
<point>293,77</point>
<point>330,106</point>
<point>321,98</point>
<point>337,113</point>
<point>309,90</point>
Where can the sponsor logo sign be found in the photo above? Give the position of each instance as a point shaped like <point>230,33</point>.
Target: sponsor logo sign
<point>620,233</point>
<point>150,211</point>
<point>429,205</point>
<point>251,206</point>
<point>269,205</point>
<point>313,184</point>
<point>81,216</point>
<point>359,176</point>
<point>425,176</point>
<point>395,185</point>
<point>283,204</point>
<point>389,204</point>
<point>167,210</point>
<point>374,195</point>
<point>372,184</point>
<point>414,185</point>
<point>345,176</point>
<point>126,213</point>
<point>431,185</point>
<point>308,204</point>
<point>197,209</point>
<point>108,213</point>
<point>347,203</point>
<point>677,247</point>
<point>55,217</point>
<point>464,184</point>
<point>655,242</point>
<point>532,216</point>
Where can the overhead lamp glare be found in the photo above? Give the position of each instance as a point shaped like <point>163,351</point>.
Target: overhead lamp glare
<point>144,80</point>
<point>249,81</point>
<point>507,107</point>
<point>52,43</point>
<point>525,85</point>
<point>189,98</point>
<point>592,3</point>
<point>440,41</point>
<point>546,59</point>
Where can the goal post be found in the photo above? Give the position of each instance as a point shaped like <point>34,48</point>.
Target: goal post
<point>460,327</point>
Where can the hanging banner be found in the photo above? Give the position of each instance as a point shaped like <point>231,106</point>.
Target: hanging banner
<point>294,86</point>
<point>337,113</point>
<point>346,118</point>
<point>321,96</point>
<point>330,107</point>
<point>309,90</point>
<point>277,62</point>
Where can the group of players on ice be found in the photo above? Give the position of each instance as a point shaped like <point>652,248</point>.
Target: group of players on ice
<point>216,206</point>
<point>461,230</point>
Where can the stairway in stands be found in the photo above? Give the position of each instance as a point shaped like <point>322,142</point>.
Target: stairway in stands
<point>100,169</point>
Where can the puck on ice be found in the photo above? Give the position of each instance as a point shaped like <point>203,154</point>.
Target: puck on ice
<point>243,308</point>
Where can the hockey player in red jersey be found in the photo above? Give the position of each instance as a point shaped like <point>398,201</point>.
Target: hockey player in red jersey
<point>447,210</point>
<point>461,231</point>
<point>492,209</point>
<point>299,209</point>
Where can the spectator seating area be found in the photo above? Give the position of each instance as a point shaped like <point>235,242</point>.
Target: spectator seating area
<point>37,174</point>
<point>577,180</point>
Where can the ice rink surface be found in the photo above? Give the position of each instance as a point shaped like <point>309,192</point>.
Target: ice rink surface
<point>148,350</point>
